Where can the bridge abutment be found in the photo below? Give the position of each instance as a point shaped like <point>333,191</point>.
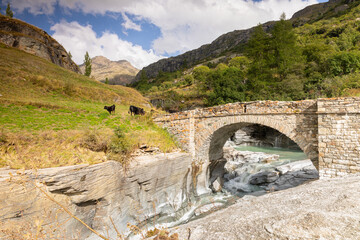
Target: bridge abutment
<point>339,132</point>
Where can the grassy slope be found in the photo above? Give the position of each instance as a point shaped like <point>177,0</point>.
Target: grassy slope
<point>50,116</point>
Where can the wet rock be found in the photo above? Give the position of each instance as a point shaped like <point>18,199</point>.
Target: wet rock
<point>322,209</point>
<point>293,178</point>
<point>263,178</point>
<point>296,166</point>
<point>241,157</point>
<point>258,135</point>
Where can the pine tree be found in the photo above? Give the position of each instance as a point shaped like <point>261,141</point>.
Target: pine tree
<point>259,74</point>
<point>87,63</point>
<point>285,53</point>
<point>9,13</point>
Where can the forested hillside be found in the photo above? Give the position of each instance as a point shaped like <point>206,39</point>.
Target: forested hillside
<point>318,59</point>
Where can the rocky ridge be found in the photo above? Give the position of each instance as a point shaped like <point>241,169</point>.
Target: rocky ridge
<point>18,34</point>
<point>118,72</point>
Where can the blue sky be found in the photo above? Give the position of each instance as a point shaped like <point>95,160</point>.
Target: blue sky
<point>144,31</point>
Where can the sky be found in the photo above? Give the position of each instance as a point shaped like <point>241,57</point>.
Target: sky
<point>144,31</point>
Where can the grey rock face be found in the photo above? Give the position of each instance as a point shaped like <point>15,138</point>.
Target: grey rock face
<point>153,187</point>
<point>21,35</point>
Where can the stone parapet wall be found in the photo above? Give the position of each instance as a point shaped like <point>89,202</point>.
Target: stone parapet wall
<point>256,107</point>
<point>339,105</point>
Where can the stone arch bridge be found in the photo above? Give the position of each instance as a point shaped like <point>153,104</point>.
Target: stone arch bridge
<point>327,130</point>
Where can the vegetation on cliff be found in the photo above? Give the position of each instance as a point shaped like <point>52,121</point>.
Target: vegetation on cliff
<point>50,116</point>
<point>318,59</point>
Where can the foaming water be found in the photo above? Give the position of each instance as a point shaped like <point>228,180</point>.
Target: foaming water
<point>237,182</point>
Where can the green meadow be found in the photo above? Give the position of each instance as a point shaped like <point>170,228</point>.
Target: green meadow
<point>50,116</point>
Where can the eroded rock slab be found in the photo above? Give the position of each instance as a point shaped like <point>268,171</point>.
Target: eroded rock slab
<point>153,186</point>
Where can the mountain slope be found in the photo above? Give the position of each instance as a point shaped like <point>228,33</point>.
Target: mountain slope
<point>26,37</point>
<point>313,55</point>
<point>233,42</point>
<point>50,116</point>
<point>117,72</point>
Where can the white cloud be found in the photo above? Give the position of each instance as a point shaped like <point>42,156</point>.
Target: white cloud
<point>128,24</point>
<point>34,6</point>
<point>78,39</point>
<point>184,25</point>
<point>189,24</point>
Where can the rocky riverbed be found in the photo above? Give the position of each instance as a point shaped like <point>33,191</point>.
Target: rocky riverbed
<point>246,172</point>
<point>322,209</point>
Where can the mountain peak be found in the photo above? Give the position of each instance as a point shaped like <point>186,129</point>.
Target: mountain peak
<point>119,72</point>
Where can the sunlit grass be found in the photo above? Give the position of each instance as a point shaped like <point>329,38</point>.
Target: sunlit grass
<point>48,115</point>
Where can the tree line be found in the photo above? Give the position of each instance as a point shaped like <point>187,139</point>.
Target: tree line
<point>282,65</point>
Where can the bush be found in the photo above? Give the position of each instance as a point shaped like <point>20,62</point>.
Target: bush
<point>344,63</point>
<point>189,80</point>
<point>95,142</point>
<point>120,147</point>
<point>119,143</point>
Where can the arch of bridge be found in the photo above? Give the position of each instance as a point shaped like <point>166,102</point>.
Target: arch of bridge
<point>212,133</point>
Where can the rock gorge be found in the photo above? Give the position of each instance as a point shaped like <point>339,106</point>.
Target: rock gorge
<point>155,189</point>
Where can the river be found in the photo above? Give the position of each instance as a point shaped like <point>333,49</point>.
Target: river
<point>235,186</point>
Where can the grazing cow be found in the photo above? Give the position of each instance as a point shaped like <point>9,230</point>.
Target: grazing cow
<point>136,110</point>
<point>110,108</point>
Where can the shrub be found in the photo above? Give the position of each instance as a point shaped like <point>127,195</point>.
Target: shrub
<point>189,80</point>
<point>120,147</point>
<point>95,142</point>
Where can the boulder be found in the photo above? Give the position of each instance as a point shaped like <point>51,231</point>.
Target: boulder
<point>296,166</point>
<point>263,177</point>
<point>293,179</point>
<point>241,157</point>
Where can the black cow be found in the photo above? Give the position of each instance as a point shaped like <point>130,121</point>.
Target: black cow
<point>110,108</point>
<point>136,110</point>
